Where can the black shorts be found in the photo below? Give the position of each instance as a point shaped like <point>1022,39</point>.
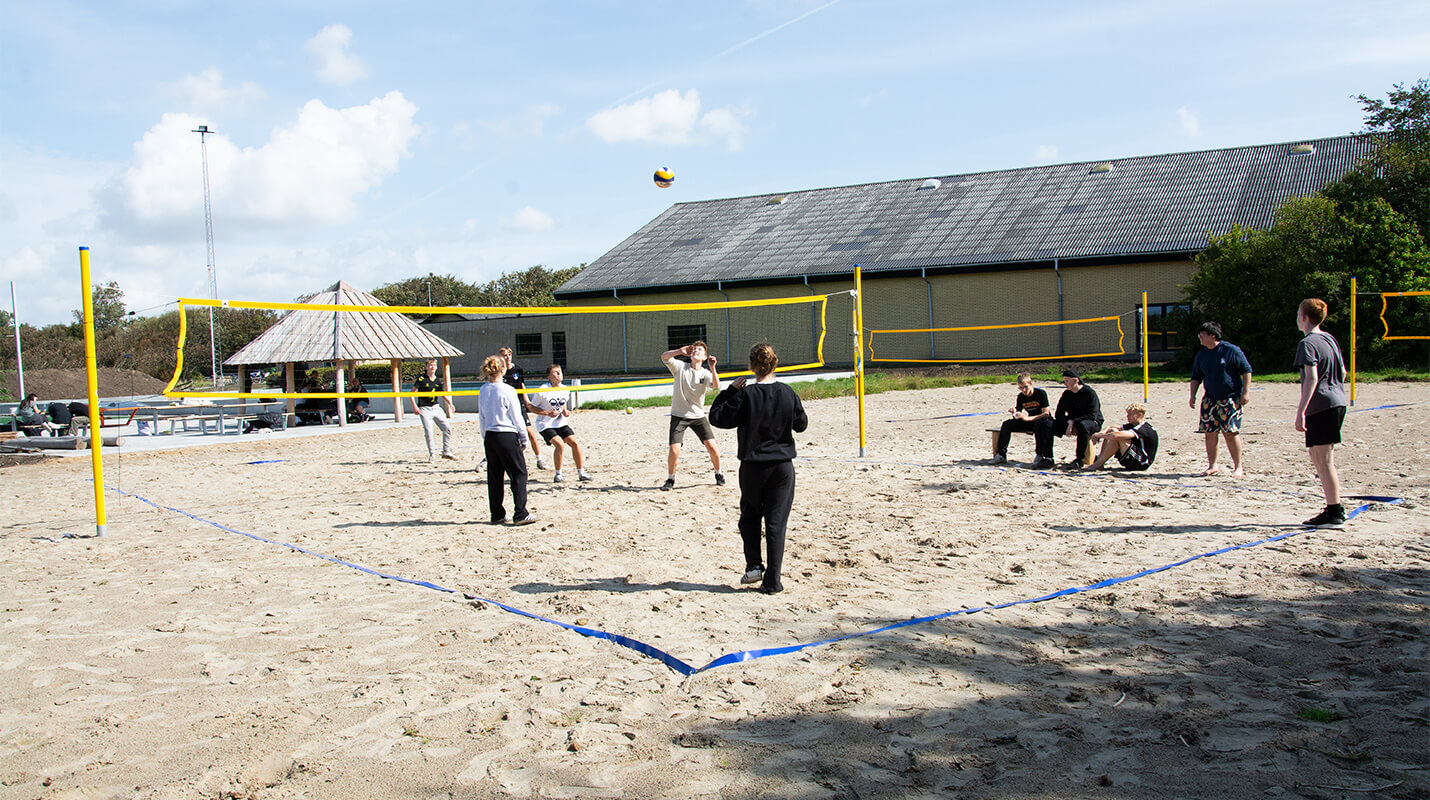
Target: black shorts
<point>1324,427</point>
<point>553,433</point>
<point>1134,457</point>
<point>525,415</point>
<point>700,425</point>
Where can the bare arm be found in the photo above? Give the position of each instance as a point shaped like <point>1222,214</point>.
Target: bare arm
<point>1309,376</point>
<point>1245,388</point>
<point>1192,401</point>
<point>714,376</point>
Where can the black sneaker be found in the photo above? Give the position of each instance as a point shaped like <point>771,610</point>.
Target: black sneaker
<point>719,479</point>
<point>526,520</point>
<point>1000,459</point>
<point>668,485</point>
<point>776,589</point>
<point>753,575</point>
<point>1330,517</point>
<point>502,521</point>
<point>1043,462</point>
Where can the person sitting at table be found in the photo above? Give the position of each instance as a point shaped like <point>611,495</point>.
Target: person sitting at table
<point>31,419</point>
<point>357,406</point>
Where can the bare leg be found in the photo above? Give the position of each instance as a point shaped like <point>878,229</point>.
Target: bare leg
<point>1211,454</point>
<point>535,440</point>
<point>575,452</point>
<point>1323,457</point>
<point>1233,448</point>
<point>670,460</point>
<point>556,459</point>
<point>714,454</point>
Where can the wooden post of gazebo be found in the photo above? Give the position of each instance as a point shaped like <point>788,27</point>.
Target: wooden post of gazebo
<point>340,378</point>
<point>396,387</point>
<point>289,386</point>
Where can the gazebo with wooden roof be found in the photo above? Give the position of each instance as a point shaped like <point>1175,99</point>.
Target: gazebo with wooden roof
<point>345,339</point>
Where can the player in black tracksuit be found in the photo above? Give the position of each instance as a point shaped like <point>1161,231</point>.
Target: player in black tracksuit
<point>766,415</point>
<point>1030,406</point>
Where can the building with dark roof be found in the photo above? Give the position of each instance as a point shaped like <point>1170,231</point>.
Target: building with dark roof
<point>1037,244</point>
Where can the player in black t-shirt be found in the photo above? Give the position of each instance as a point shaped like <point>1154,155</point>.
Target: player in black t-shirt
<point>1030,405</point>
<point>516,378</point>
<point>1134,444</point>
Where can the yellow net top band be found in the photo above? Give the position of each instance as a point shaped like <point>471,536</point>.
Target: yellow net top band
<point>502,310</point>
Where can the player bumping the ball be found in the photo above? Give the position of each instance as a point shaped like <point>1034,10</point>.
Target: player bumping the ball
<point>687,404</point>
<point>552,405</point>
<point>766,414</point>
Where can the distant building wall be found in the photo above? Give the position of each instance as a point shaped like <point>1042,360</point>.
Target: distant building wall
<point>633,342</point>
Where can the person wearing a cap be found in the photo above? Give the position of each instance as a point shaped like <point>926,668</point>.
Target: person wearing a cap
<point>1079,414</point>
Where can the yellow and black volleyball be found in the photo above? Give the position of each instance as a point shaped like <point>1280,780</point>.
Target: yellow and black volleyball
<point>664,177</point>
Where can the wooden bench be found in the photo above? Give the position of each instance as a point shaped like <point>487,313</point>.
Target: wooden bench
<point>81,425</point>
<point>1089,453</point>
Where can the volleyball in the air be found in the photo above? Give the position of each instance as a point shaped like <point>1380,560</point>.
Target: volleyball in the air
<point>664,177</point>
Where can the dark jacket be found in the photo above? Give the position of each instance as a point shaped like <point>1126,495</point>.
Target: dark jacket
<point>767,415</point>
<point>1078,406</point>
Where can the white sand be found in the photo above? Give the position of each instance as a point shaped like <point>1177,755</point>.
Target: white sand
<point>175,659</point>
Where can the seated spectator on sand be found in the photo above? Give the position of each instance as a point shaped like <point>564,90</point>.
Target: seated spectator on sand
<point>1029,406</point>
<point>1079,414</point>
<point>1134,444</point>
<point>32,420</point>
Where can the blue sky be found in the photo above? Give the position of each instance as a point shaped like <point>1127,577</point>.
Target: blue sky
<point>372,142</point>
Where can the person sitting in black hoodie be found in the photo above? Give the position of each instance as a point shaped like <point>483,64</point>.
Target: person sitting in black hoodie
<point>1079,414</point>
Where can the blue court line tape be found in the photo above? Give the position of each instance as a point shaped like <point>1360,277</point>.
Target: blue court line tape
<point>1378,408</point>
<point>269,461</point>
<point>742,656</point>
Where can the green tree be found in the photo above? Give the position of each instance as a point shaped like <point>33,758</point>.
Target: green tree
<point>1251,281</point>
<point>109,313</point>
<point>1399,168</point>
<point>446,290</point>
<point>534,286</point>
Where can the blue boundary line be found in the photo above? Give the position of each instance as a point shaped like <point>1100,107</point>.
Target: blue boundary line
<point>742,656</point>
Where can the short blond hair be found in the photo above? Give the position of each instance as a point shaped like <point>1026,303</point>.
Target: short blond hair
<point>1139,408</point>
<point>493,366</point>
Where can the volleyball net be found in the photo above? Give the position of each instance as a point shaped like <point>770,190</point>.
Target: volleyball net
<point>1093,337</point>
<point>607,341</point>
<point>1407,311</point>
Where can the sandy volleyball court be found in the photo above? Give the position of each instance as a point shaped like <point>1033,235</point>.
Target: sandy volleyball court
<point>175,659</point>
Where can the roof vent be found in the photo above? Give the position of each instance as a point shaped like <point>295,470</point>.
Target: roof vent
<point>1101,166</point>
<point>931,183</point>
<point>1303,149</point>
<point>777,200</point>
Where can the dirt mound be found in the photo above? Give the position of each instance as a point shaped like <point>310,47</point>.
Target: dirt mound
<point>69,384</point>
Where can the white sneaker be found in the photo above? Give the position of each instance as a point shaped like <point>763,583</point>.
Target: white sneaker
<point>540,462</point>
<point>583,475</point>
<point>557,478</point>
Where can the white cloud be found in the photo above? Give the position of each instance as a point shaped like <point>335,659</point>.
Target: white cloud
<point>669,118</point>
<point>204,95</point>
<point>307,174</point>
<point>1190,123</point>
<point>1045,153</point>
<point>528,219</point>
<point>335,63</point>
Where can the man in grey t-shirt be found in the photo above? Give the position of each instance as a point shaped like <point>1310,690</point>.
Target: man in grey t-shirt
<point>1323,405</point>
<point>687,404</point>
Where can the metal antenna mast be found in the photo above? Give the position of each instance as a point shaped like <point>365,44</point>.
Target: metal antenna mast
<point>203,131</point>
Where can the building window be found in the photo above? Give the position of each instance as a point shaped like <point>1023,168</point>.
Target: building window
<point>1165,323</point>
<point>678,336</point>
<point>528,344</point>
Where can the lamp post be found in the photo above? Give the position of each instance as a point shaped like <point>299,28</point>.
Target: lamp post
<point>203,131</point>
<point>19,358</point>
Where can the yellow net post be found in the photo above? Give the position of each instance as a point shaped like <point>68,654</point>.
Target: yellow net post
<point>859,352</point>
<point>96,438</point>
<point>1146,364</point>
<point>1353,340</point>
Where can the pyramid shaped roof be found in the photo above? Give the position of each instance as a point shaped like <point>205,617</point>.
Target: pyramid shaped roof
<point>306,335</point>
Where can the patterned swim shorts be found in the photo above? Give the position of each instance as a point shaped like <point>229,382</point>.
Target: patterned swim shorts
<point>1220,416</point>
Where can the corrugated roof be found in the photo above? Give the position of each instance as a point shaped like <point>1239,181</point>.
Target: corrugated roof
<point>306,335</point>
<point>1147,205</point>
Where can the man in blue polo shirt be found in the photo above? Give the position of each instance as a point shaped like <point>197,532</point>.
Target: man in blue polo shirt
<point>1222,369</point>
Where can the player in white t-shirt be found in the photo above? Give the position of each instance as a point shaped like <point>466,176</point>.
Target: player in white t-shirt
<point>551,406</point>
